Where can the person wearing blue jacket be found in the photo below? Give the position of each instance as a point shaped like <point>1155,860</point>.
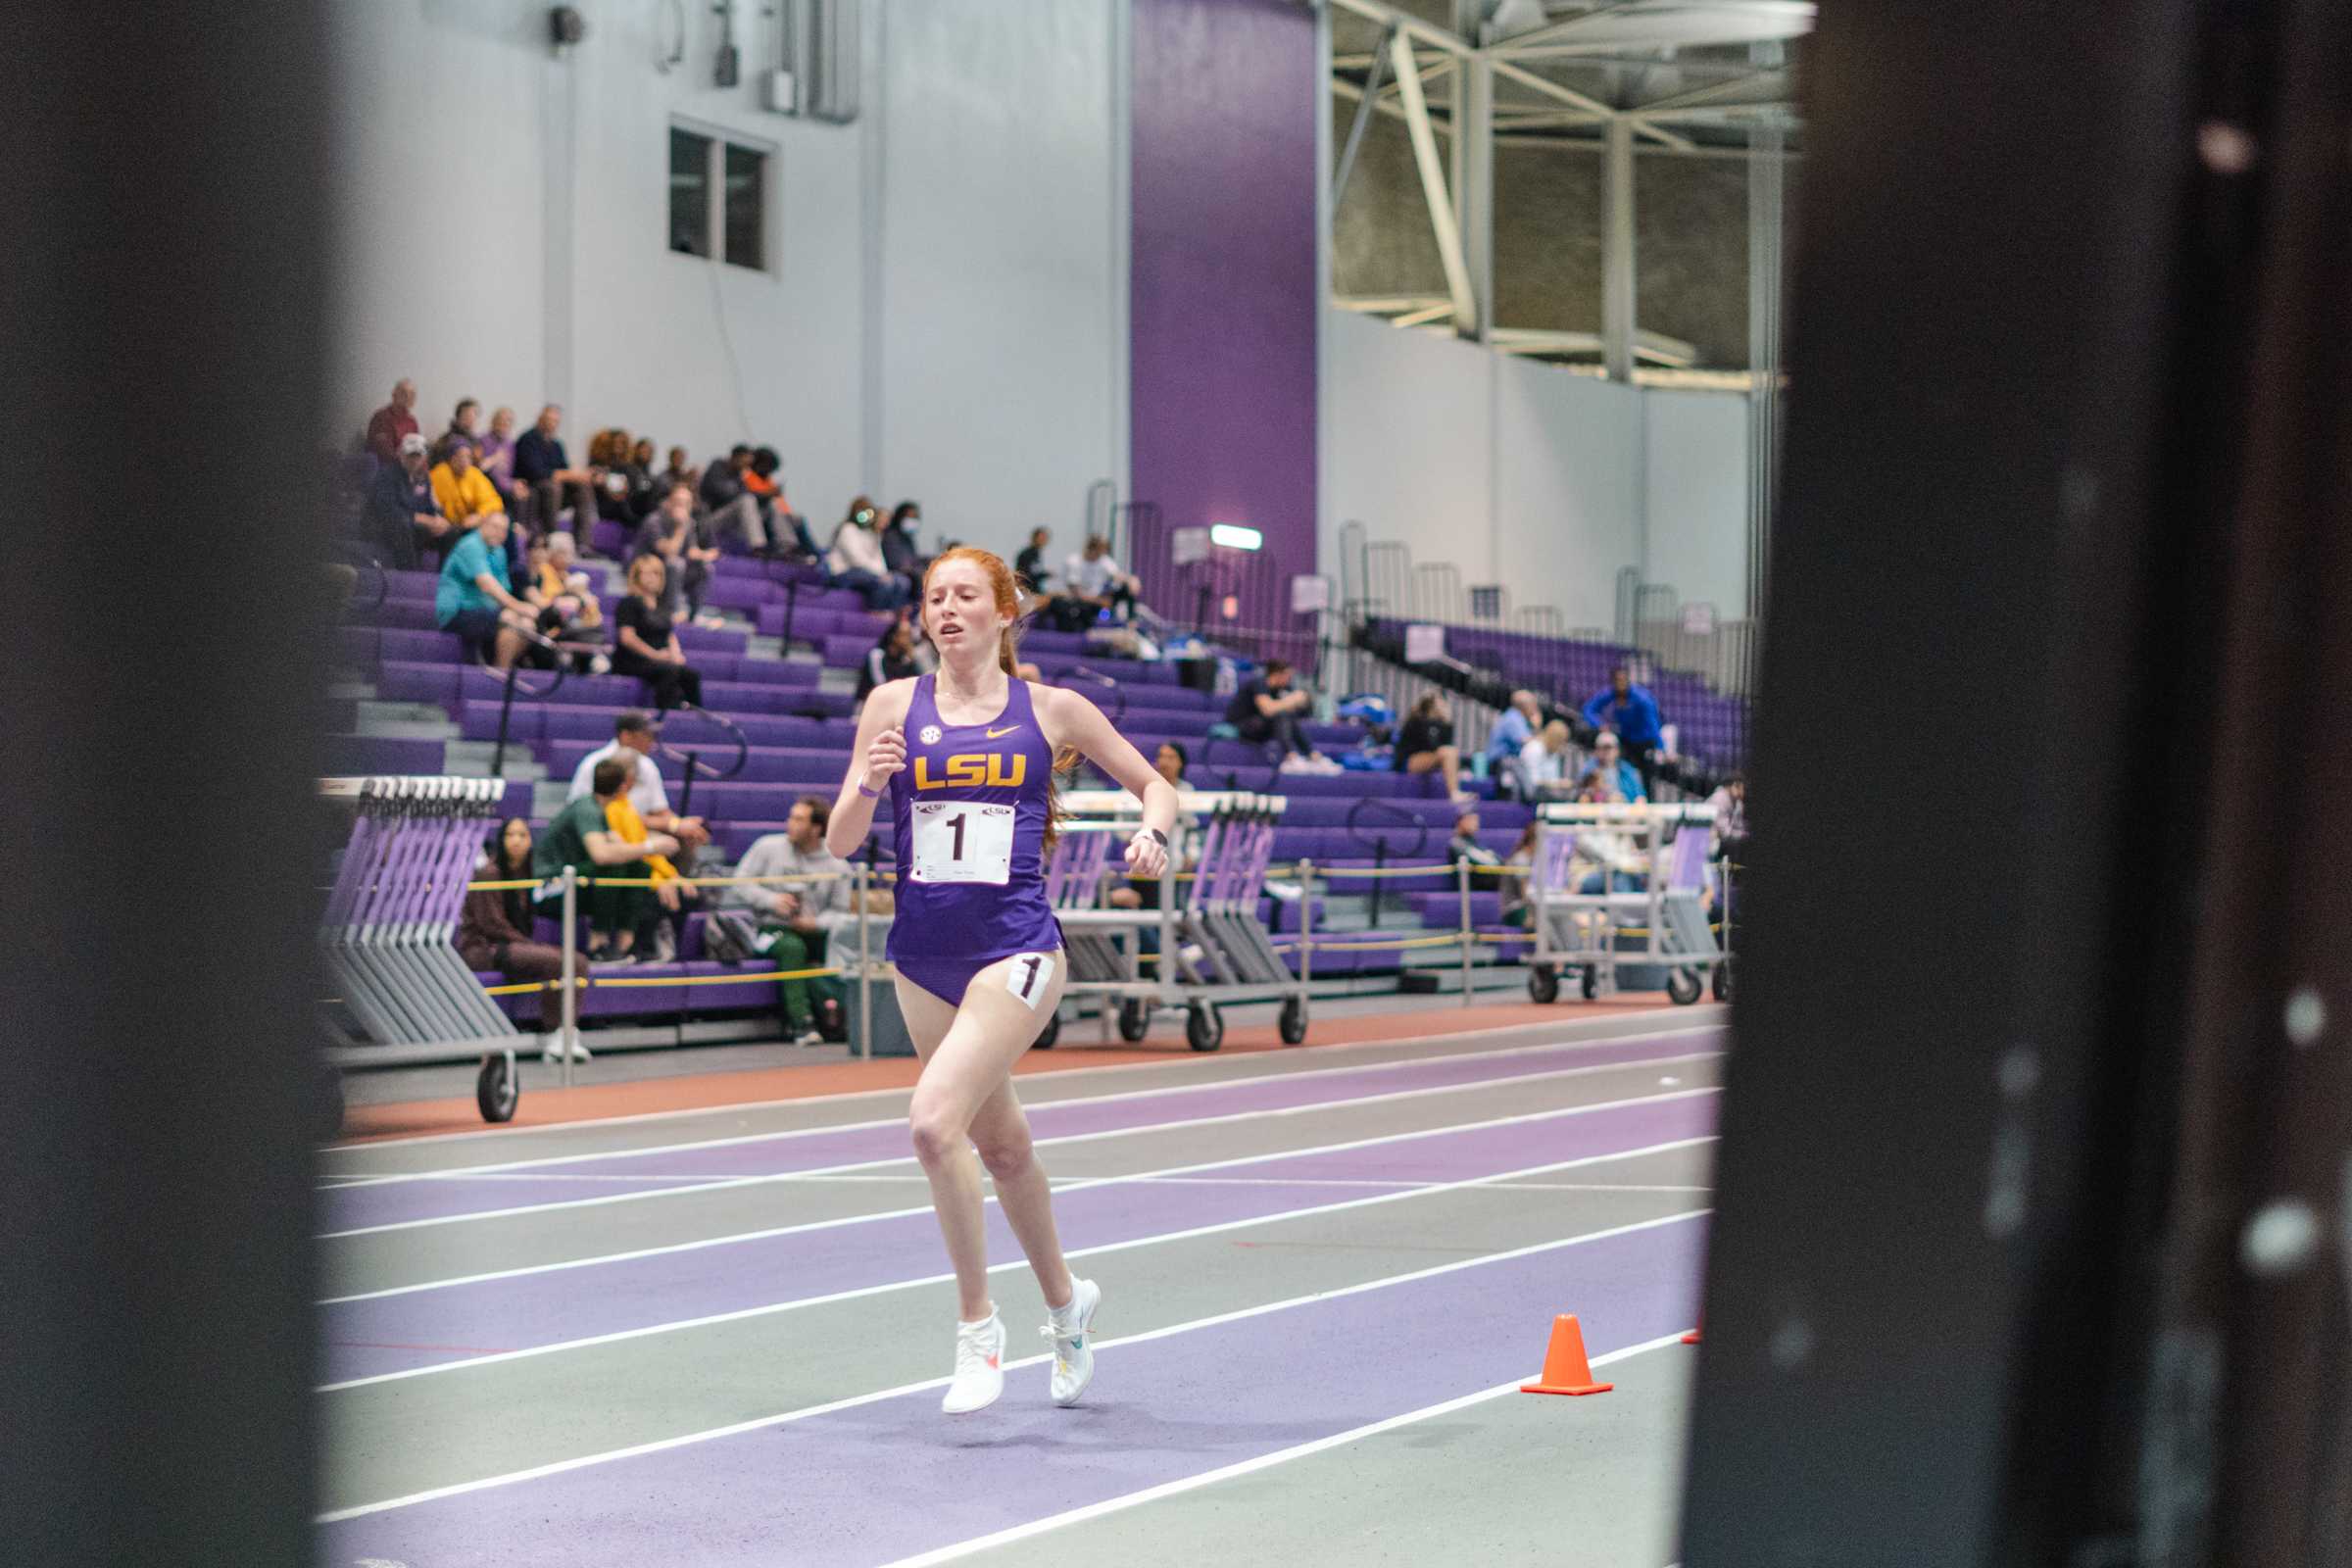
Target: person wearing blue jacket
<point>1633,713</point>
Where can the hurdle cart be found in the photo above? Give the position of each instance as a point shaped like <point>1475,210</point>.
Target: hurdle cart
<point>1212,949</point>
<point>1618,893</point>
<point>388,937</point>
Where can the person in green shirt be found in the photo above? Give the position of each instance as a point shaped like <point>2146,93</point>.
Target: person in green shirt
<point>581,837</point>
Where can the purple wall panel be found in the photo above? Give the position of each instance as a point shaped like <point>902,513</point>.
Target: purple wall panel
<point>1223,296</point>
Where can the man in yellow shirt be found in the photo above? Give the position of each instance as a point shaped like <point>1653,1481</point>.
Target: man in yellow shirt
<point>466,493</point>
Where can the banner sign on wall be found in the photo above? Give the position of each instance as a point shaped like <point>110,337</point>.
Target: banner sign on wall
<point>1188,545</point>
<point>1309,595</point>
<point>1422,644</point>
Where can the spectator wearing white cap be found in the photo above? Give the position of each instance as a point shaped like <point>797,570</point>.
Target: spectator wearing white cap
<point>407,521</point>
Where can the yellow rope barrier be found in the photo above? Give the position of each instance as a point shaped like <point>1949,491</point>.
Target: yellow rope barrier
<point>591,982</point>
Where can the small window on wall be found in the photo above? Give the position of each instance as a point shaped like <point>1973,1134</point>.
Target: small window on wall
<point>747,206</point>
<point>718,197</point>
<point>689,192</point>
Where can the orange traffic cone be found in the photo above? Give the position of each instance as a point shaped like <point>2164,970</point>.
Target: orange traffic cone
<point>1565,1370</point>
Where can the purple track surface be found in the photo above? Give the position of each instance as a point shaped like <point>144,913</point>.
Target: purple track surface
<point>806,1491</point>
<point>397,1333</point>
<point>432,1198</point>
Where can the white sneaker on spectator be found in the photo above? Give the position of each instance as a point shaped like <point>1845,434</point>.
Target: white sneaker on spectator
<point>579,1052</point>
<point>1296,764</point>
<point>550,1046</point>
<point>809,1037</point>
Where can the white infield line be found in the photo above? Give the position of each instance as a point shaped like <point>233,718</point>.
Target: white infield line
<point>337,1183</point>
<point>1721,1020</point>
<point>1074,1185</point>
<point>1269,1112</point>
<point>771,1309</point>
<point>758,1423</point>
<point>1265,1461</point>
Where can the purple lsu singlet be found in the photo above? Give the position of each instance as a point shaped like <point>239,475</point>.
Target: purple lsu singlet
<point>969,824</point>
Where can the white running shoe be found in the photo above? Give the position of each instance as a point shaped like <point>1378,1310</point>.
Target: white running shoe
<point>979,1367</point>
<point>1073,1351</point>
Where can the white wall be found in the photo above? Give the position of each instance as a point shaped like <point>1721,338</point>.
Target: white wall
<point>1528,476</point>
<point>1004,334</point>
<point>1697,496</point>
<point>945,311</point>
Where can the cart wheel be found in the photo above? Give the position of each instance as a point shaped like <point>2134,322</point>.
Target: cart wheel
<point>1135,1019</point>
<point>1203,1027</point>
<point>1543,984</point>
<point>496,1089</point>
<point>1589,985</point>
<point>330,1103</point>
<point>1293,1020</point>
<point>1049,1033</point>
<point>1722,980</point>
<point>1683,987</point>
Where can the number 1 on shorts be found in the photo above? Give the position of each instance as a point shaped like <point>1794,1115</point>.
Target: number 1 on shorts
<point>1030,976</point>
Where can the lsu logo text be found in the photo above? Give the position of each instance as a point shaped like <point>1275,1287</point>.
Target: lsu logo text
<point>972,770</point>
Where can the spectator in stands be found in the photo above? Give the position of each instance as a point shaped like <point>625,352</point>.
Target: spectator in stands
<point>1030,565</point>
<point>1091,582</point>
<point>797,921</point>
<point>1265,712</point>
<point>608,474</point>
<point>464,492</point>
<point>1544,762</point>
<point>634,737</point>
<point>788,533</point>
<point>1464,846</point>
<point>543,468</point>
<point>1611,779</point>
<point>1730,805</point>
<point>474,598</point>
<point>1633,713</point>
<point>647,647</point>
<point>646,489</point>
<point>1425,745</point>
<point>734,510</point>
<point>494,930</point>
<point>1518,874</point>
<point>462,427</point>
<point>1514,728</point>
<point>891,658</point>
<point>679,471</point>
<point>658,934</point>
<point>401,513</point>
<point>496,460</point>
<point>568,612</point>
<point>899,550</point>
<point>1142,893</point>
<point>582,839</point>
<point>683,542</point>
<point>393,423</point>
<point>857,563</point>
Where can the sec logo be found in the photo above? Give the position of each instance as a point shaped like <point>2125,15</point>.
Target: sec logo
<point>930,735</point>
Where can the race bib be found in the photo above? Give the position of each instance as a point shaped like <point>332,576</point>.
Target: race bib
<point>1030,977</point>
<point>961,841</point>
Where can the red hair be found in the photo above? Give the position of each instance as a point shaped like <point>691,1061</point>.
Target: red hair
<point>1008,596</point>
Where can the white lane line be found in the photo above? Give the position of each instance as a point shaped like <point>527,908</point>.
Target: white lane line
<point>1265,1461</point>
<point>738,1140</point>
<point>1499,1187</point>
<point>1060,1184</point>
<point>1064,1140</point>
<point>1073,1185</point>
<point>768,1310</point>
<point>758,1423</point>
<point>1717,1019</point>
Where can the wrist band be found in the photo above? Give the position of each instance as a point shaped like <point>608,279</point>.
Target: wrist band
<point>872,795</point>
<point>1160,838</point>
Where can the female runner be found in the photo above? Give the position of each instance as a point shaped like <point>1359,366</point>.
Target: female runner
<point>967,755</point>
